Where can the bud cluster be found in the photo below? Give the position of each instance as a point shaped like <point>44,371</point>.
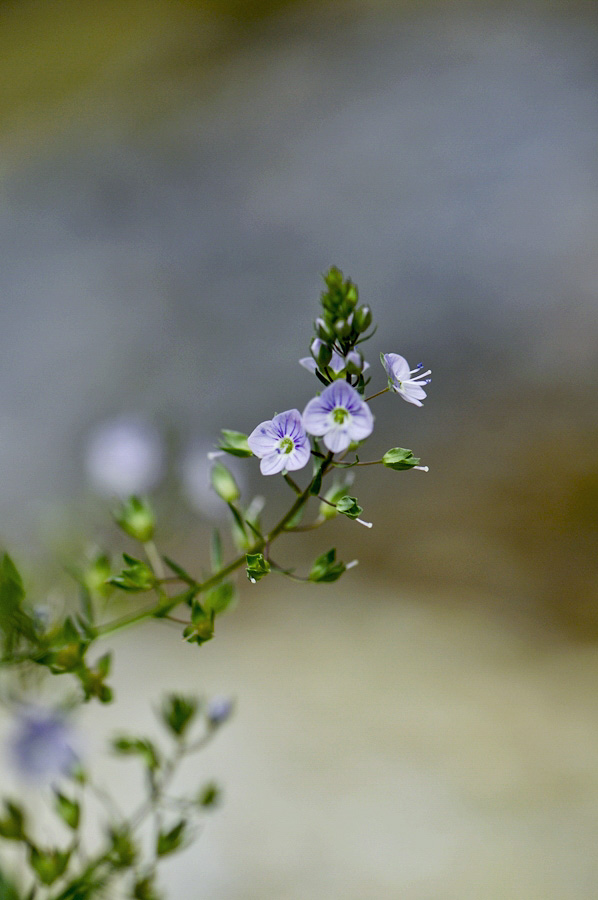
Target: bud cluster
<point>339,329</point>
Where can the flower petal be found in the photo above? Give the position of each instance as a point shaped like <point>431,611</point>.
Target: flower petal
<point>289,424</point>
<point>273,463</point>
<point>262,439</point>
<point>361,423</point>
<point>308,363</point>
<point>337,439</point>
<point>316,416</point>
<point>396,366</point>
<point>298,457</point>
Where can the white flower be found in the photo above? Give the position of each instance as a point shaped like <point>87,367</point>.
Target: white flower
<point>340,415</point>
<point>400,380</point>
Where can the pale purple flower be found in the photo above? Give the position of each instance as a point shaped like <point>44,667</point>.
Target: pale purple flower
<point>219,710</point>
<point>124,456</point>
<point>42,746</point>
<point>336,365</point>
<point>401,380</point>
<point>339,415</point>
<point>281,443</point>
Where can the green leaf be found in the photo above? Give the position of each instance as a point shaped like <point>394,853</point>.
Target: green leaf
<point>172,840</point>
<point>235,443</point>
<point>142,747</point>
<point>400,459</point>
<point>219,598</point>
<point>257,566</point>
<point>68,810</point>
<point>7,889</point>
<point>48,864</point>
<point>348,506</point>
<point>209,795</point>
<point>14,621</point>
<point>145,889</point>
<point>178,712</point>
<point>124,852</point>
<point>178,570</point>
<point>326,568</point>
<point>12,823</point>
<point>316,485</point>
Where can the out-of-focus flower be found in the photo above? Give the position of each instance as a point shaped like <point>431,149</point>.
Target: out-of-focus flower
<point>219,710</point>
<point>124,456</point>
<point>42,746</point>
<point>400,380</point>
<point>339,415</point>
<point>280,443</point>
<point>336,365</point>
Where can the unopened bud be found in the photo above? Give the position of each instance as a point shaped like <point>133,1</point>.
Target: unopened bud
<point>323,330</point>
<point>363,319</point>
<point>354,362</point>
<point>321,352</point>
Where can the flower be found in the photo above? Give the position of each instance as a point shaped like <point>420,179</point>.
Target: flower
<point>336,365</point>
<point>280,443</point>
<point>219,710</point>
<point>399,378</point>
<point>340,415</point>
<point>124,456</point>
<point>42,745</point>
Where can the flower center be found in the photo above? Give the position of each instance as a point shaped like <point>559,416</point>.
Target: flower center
<point>340,415</point>
<point>286,445</point>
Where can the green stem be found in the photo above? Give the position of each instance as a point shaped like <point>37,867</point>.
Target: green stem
<point>383,391</point>
<point>217,577</point>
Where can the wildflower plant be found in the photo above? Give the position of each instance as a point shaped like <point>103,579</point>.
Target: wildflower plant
<point>322,448</point>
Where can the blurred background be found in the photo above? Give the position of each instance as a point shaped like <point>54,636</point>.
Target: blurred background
<point>175,176</point>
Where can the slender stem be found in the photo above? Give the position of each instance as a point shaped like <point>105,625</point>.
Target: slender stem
<point>155,560</point>
<point>232,566</point>
<point>373,462</point>
<point>377,394</point>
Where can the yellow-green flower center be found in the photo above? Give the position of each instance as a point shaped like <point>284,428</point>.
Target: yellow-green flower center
<point>286,445</point>
<point>339,415</point>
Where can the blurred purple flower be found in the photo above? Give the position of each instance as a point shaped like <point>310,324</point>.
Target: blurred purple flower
<point>42,746</point>
<point>336,365</point>
<point>339,415</point>
<point>124,456</point>
<point>400,380</point>
<point>280,443</point>
<point>219,710</point>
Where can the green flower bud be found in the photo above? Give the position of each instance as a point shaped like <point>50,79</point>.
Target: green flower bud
<point>324,331</point>
<point>136,518</point>
<point>354,362</point>
<point>321,352</point>
<point>399,459</point>
<point>224,484</point>
<point>362,319</point>
<point>343,327</point>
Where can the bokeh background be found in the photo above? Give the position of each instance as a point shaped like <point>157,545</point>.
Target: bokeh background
<point>175,176</point>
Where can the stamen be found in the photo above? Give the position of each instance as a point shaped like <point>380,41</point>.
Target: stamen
<point>367,524</point>
<point>214,454</point>
<point>422,468</point>
<point>352,564</point>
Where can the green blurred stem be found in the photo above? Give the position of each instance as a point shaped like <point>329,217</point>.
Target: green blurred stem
<point>221,574</point>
